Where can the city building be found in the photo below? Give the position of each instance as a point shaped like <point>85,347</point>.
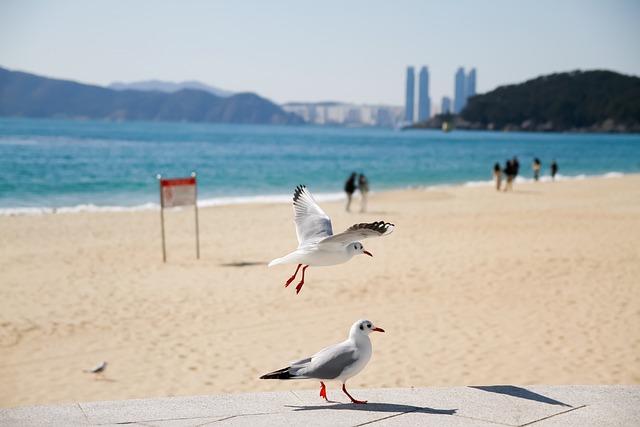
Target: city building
<point>471,84</point>
<point>460,93</point>
<point>465,87</point>
<point>339,114</point>
<point>409,98</point>
<point>446,105</point>
<point>424,102</point>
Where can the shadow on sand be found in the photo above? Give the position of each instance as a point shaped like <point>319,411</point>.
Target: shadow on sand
<point>243,264</point>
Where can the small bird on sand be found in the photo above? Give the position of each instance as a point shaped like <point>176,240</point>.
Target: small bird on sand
<point>97,371</point>
<point>337,362</point>
<point>318,246</point>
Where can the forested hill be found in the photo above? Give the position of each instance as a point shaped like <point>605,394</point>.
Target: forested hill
<point>597,101</point>
<point>28,95</point>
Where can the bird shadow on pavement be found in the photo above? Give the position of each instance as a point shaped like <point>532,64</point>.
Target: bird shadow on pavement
<point>520,392</point>
<point>377,407</point>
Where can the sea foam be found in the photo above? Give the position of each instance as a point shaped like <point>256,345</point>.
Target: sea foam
<point>266,199</point>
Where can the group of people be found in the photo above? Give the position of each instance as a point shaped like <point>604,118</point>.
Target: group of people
<point>350,187</point>
<point>512,168</point>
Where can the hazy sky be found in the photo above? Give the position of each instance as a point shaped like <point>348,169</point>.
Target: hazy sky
<point>349,50</point>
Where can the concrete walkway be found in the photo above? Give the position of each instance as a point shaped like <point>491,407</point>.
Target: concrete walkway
<point>454,406</point>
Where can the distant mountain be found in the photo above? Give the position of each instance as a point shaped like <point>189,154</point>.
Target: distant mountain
<point>582,101</point>
<point>28,95</point>
<point>169,87</point>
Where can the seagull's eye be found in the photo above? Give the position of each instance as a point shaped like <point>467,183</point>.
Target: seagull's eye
<point>369,326</point>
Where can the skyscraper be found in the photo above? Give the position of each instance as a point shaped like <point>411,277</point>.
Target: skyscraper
<point>465,87</point>
<point>446,105</point>
<point>471,84</point>
<point>409,100</point>
<point>460,93</point>
<point>424,102</point>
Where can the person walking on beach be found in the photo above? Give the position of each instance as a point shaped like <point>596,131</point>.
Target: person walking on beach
<point>515,164</point>
<point>350,188</point>
<point>508,171</point>
<point>497,174</point>
<point>554,169</point>
<point>363,186</point>
<point>536,168</point>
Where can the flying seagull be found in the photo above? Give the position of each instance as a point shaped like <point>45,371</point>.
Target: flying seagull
<point>337,362</point>
<point>318,246</point>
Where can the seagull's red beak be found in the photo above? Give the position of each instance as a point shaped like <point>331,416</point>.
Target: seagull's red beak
<point>367,253</point>
<point>378,329</point>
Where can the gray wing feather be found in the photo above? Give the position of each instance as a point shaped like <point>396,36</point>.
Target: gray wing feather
<point>312,223</point>
<point>327,364</point>
<point>300,362</point>
<point>361,231</point>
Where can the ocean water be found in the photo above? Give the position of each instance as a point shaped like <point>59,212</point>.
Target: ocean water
<point>95,165</point>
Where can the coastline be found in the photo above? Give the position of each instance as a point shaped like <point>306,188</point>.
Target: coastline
<point>275,198</point>
<point>538,286</point>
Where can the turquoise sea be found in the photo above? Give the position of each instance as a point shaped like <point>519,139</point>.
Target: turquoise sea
<point>95,165</point>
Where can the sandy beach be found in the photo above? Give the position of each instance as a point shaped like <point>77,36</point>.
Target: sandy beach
<point>474,287</point>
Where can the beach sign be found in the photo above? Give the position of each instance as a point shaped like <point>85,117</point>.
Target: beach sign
<point>178,192</point>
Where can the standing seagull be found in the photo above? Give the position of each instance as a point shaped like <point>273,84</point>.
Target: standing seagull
<point>318,246</point>
<point>337,362</point>
<point>97,371</point>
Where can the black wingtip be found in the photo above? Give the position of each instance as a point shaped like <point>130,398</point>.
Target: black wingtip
<point>299,189</point>
<point>380,227</point>
<point>280,374</point>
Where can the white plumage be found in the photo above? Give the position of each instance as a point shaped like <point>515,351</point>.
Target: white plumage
<point>98,370</point>
<point>337,362</point>
<point>318,246</point>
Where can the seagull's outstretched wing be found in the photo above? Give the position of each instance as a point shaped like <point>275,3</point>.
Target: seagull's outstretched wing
<point>361,231</point>
<point>312,224</point>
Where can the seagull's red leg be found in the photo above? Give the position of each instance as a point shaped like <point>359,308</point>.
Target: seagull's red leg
<point>301,281</point>
<point>344,388</point>
<point>323,391</point>
<point>293,277</point>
